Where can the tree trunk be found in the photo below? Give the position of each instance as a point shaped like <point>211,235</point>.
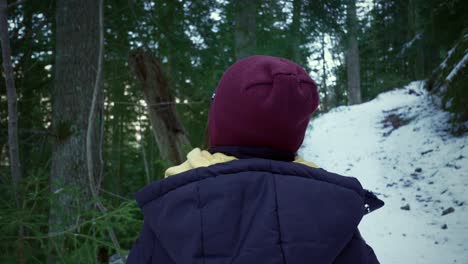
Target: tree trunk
<point>328,93</point>
<point>12,99</point>
<point>77,50</point>
<point>116,142</point>
<point>145,159</point>
<point>93,144</point>
<point>167,128</point>
<point>416,26</point>
<point>245,28</point>
<point>296,32</point>
<point>352,56</point>
<point>28,113</point>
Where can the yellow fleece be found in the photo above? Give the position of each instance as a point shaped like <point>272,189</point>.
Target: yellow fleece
<point>202,158</point>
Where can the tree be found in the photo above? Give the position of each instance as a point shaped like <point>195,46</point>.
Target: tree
<point>296,32</point>
<point>167,129</point>
<point>352,55</point>
<point>13,144</point>
<point>245,28</point>
<point>76,64</point>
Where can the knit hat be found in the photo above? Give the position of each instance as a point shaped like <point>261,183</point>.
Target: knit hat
<point>262,101</point>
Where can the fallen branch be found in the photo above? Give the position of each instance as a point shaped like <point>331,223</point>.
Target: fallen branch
<point>167,128</point>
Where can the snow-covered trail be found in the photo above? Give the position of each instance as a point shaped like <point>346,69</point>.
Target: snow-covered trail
<point>418,169</point>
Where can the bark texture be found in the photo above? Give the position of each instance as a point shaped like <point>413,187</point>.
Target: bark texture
<point>77,50</point>
<point>352,56</point>
<point>13,145</point>
<point>12,98</point>
<point>167,128</point>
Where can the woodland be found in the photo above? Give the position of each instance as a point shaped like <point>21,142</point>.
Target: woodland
<point>99,97</point>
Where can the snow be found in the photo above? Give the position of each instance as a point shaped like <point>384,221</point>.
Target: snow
<point>410,43</point>
<point>449,54</point>
<point>417,164</point>
<point>457,68</point>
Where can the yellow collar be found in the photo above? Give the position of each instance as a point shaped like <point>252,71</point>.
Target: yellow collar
<point>202,158</point>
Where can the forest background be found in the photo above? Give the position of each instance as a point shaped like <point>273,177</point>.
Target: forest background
<point>101,96</point>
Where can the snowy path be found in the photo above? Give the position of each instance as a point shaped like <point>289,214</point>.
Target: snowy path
<point>418,169</point>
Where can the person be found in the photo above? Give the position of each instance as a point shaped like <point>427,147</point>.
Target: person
<point>249,198</point>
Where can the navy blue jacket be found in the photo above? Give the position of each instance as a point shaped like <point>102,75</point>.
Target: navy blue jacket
<point>254,211</point>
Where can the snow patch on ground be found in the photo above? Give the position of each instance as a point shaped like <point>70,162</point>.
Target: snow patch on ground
<point>398,146</point>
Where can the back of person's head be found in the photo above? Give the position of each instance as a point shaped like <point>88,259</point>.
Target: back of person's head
<point>262,101</point>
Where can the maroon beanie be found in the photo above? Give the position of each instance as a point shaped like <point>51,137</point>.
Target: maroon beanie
<point>262,101</point>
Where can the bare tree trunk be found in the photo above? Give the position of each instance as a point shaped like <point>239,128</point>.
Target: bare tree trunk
<point>414,27</point>
<point>93,145</point>
<point>142,131</point>
<point>117,142</point>
<point>167,128</point>
<point>77,47</point>
<point>145,160</point>
<point>296,31</point>
<point>352,56</point>
<point>1,155</point>
<point>13,144</point>
<point>245,28</point>
<point>328,94</point>
<point>91,128</point>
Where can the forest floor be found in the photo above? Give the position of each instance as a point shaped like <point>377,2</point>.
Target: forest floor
<point>398,146</point>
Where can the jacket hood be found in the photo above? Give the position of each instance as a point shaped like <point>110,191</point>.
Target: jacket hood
<point>246,210</point>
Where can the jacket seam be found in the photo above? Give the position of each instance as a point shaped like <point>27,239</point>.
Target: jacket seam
<point>200,208</point>
<point>157,240</point>
<point>280,241</point>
